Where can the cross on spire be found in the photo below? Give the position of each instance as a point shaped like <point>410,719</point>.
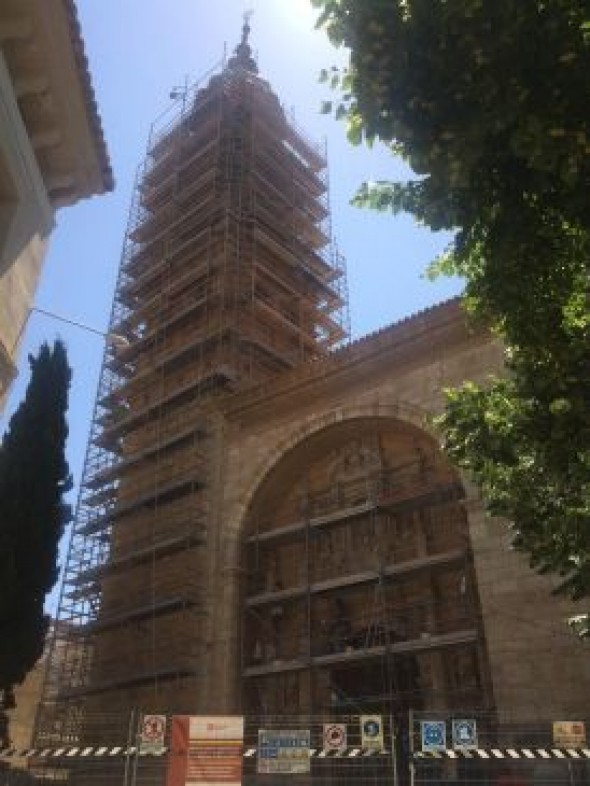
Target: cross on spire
<point>243,51</point>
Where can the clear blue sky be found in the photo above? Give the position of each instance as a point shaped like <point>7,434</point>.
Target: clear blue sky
<point>138,50</point>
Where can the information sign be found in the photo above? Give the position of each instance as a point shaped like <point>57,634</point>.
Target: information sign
<point>215,752</point>
<point>206,751</point>
<point>283,751</point>
<point>569,734</point>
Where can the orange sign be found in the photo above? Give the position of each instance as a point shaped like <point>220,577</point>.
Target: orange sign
<point>206,750</point>
<point>569,734</point>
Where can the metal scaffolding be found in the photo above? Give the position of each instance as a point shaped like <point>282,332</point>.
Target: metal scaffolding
<point>359,589</point>
<point>227,277</point>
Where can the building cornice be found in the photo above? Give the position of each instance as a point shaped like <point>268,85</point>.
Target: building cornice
<point>94,119</point>
<point>43,49</point>
<point>426,332</point>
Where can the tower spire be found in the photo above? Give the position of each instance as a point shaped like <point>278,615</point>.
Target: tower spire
<point>243,51</point>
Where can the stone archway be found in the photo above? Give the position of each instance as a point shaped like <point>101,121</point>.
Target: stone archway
<point>307,428</point>
<point>360,586</point>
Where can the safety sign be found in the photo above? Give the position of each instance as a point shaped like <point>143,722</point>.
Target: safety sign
<point>434,735</point>
<point>372,732</point>
<point>465,735</point>
<point>152,732</point>
<point>335,738</point>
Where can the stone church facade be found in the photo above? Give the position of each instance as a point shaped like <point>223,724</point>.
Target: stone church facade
<point>527,665</point>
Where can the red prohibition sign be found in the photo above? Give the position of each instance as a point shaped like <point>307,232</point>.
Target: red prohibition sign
<point>334,736</point>
<point>152,727</point>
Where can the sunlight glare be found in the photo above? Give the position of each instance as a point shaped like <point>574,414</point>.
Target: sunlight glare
<point>296,13</point>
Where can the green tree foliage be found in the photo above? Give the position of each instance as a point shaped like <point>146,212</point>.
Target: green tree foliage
<point>489,103</point>
<point>34,477</point>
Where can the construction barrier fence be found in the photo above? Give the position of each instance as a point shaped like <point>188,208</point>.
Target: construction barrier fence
<point>420,749</point>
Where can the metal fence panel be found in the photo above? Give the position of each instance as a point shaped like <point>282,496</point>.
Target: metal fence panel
<point>507,754</point>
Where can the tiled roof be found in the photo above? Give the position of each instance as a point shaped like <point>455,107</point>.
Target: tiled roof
<point>451,305</point>
<point>88,92</point>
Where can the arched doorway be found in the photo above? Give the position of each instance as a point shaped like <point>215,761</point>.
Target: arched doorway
<point>359,592</point>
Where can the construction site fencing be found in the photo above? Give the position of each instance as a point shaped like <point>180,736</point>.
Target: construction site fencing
<point>121,761</point>
<point>420,749</point>
<point>479,748</point>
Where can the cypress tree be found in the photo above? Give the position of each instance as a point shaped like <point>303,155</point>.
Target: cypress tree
<point>34,477</point>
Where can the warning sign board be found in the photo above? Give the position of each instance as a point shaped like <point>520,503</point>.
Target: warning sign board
<point>152,732</point>
<point>335,738</point>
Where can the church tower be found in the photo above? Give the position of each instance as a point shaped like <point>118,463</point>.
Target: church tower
<point>227,277</point>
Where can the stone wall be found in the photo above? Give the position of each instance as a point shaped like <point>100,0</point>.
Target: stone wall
<point>397,373</point>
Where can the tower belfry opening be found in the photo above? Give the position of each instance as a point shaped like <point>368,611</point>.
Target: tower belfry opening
<point>228,276</point>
